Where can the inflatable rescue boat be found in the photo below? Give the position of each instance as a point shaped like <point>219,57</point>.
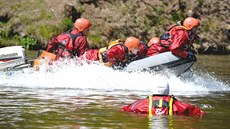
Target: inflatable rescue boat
<point>14,58</point>
<point>160,62</point>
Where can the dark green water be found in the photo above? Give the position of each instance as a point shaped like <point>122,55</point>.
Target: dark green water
<point>24,105</point>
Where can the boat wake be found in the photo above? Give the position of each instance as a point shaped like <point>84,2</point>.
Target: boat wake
<point>96,77</point>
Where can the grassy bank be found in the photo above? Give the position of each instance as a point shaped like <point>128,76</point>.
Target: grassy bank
<point>33,23</point>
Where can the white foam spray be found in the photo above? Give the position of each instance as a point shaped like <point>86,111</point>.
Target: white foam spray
<point>95,76</point>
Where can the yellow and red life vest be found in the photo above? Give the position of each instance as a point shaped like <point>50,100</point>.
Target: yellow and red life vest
<point>102,51</point>
<point>42,54</point>
<point>160,105</point>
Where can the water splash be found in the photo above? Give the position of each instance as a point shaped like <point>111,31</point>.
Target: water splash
<point>95,76</point>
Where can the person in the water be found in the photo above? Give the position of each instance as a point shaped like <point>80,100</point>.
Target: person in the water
<point>162,103</point>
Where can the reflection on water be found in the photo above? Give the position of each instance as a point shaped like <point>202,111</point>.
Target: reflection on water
<point>42,108</point>
<point>92,96</point>
<point>218,66</point>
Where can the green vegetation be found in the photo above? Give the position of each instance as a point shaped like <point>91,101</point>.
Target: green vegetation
<point>176,16</point>
<point>25,19</point>
<point>45,15</point>
<point>23,22</point>
<point>7,40</point>
<point>80,7</point>
<point>66,23</point>
<point>28,42</point>
<point>200,2</point>
<point>47,31</point>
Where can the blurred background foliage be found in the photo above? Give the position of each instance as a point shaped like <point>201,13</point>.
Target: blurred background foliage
<point>32,23</point>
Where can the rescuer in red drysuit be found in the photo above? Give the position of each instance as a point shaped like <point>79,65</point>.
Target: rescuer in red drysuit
<point>162,103</point>
<point>117,53</point>
<point>73,42</point>
<point>177,40</point>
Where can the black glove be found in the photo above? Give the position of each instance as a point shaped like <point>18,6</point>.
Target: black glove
<point>191,56</point>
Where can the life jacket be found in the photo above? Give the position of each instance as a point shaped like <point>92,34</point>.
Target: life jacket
<point>160,105</point>
<point>102,51</point>
<point>65,44</point>
<point>167,37</point>
<point>42,54</point>
<point>145,45</point>
<point>153,105</point>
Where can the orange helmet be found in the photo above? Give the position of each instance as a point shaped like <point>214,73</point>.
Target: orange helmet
<point>190,22</point>
<point>81,24</point>
<point>153,40</point>
<point>132,43</point>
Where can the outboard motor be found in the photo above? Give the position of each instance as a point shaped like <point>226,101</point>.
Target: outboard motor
<point>11,57</point>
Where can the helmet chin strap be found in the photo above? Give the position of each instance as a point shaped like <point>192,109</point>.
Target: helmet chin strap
<point>134,51</point>
<point>131,54</point>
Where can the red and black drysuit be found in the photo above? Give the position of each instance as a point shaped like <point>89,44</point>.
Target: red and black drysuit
<point>76,47</point>
<point>176,41</point>
<point>117,54</point>
<point>158,104</point>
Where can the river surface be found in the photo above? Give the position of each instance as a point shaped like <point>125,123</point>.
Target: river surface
<point>91,96</point>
